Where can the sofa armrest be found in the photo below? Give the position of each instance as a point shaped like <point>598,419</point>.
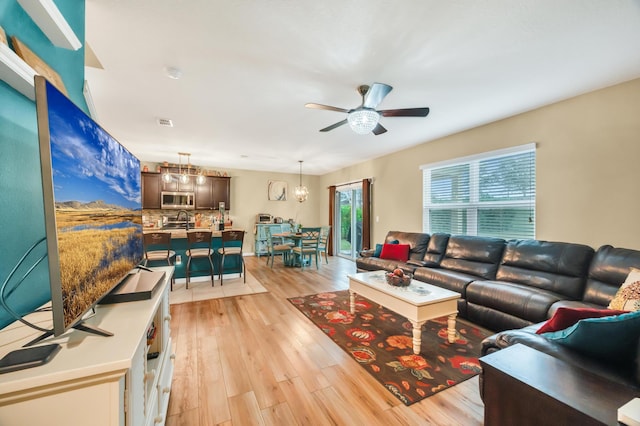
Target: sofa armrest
<point>621,373</point>
<point>367,253</point>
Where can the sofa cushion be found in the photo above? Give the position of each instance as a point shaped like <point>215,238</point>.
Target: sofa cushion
<point>613,338</point>
<point>608,270</point>
<point>477,256</point>
<point>451,280</point>
<point>417,241</point>
<point>377,264</point>
<point>553,266</point>
<point>566,317</point>
<point>628,296</point>
<point>395,252</point>
<point>435,249</point>
<point>519,300</point>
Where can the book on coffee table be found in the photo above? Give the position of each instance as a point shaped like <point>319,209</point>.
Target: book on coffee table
<point>629,413</point>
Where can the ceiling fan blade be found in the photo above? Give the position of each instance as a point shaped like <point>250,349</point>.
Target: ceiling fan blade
<point>376,94</point>
<point>326,107</point>
<point>333,126</point>
<point>407,112</point>
<point>378,130</point>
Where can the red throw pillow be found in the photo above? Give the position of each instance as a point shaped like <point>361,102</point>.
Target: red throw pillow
<point>566,317</point>
<point>395,252</point>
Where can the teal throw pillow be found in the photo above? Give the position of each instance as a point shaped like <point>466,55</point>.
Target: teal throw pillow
<point>613,338</point>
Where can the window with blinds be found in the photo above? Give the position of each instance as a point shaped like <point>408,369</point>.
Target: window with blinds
<point>492,194</point>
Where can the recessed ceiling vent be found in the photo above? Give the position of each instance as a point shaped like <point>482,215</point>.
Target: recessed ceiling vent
<point>165,122</point>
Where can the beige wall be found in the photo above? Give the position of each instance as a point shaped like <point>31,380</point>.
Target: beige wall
<point>249,197</point>
<point>588,180</point>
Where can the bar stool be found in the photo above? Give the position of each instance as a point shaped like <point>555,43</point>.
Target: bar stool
<point>199,247</point>
<point>157,247</point>
<point>232,246</point>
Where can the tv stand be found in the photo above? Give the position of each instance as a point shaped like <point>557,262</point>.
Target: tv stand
<point>93,380</point>
<point>79,326</point>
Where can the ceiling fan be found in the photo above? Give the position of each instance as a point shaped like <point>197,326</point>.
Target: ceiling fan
<point>364,119</point>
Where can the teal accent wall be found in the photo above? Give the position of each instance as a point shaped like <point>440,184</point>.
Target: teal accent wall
<point>21,208</point>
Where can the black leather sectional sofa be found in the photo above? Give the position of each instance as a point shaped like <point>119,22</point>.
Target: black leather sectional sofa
<point>513,287</point>
<point>511,284</point>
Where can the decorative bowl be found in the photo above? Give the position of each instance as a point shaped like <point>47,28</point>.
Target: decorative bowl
<point>397,280</point>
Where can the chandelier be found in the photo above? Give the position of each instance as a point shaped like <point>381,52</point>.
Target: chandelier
<point>301,192</point>
<point>363,121</point>
<point>184,175</point>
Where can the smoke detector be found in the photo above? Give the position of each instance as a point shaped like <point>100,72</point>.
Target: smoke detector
<point>165,122</point>
<point>174,73</point>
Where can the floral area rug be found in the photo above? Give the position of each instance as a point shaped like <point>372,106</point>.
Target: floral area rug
<point>381,341</point>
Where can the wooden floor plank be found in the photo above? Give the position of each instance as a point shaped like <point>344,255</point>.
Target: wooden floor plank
<point>255,359</point>
<point>245,410</point>
<point>278,415</point>
<point>305,408</point>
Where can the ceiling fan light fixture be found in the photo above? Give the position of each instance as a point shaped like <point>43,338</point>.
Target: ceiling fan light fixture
<point>363,121</point>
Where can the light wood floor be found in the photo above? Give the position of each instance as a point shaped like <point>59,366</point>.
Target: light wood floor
<point>256,360</point>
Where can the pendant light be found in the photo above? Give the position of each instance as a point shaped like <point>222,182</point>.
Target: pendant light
<point>301,192</point>
<point>184,175</point>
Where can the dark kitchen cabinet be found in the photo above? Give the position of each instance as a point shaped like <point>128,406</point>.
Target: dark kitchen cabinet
<point>151,189</point>
<point>212,192</point>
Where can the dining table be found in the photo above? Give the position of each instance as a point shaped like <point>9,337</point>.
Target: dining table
<point>297,238</point>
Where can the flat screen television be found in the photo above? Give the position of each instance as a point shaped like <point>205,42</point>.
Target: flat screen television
<point>92,206</point>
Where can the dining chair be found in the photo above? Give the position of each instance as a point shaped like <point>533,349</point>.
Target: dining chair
<point>232,246</point>
<point>199,247</point>
<point>276,248</point>
<point>308,245</point>
<point>322,244</point>
<point>157,247</point>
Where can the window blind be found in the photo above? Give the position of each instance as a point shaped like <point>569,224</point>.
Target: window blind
<point>492,194</point>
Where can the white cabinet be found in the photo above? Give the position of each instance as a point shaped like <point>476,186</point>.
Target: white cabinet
<point>96,380</point>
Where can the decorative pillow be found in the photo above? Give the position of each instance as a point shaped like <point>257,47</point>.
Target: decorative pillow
<point>628,295</point>
<point>395,252</point>
<point>613,338</point>
<point>566,317</point>
<point>378,250</point>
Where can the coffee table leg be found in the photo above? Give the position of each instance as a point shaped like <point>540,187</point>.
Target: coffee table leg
<point>451,328</point>
<point>352,302</point>
<point>417,336</point>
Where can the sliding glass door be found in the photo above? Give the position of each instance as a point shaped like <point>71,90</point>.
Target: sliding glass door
<point>348,220</point>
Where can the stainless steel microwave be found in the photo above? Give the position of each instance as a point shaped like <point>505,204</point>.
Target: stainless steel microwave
<point>178,200</point>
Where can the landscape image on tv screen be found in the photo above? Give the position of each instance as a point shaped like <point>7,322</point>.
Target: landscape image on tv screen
<point>96,186</point>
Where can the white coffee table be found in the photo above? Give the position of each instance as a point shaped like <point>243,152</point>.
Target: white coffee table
<point>418,302</point>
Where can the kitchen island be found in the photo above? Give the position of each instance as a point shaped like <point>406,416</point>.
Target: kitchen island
<point>199,267</point>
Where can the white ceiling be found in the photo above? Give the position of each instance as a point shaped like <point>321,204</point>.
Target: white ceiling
<point>249,66</point>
